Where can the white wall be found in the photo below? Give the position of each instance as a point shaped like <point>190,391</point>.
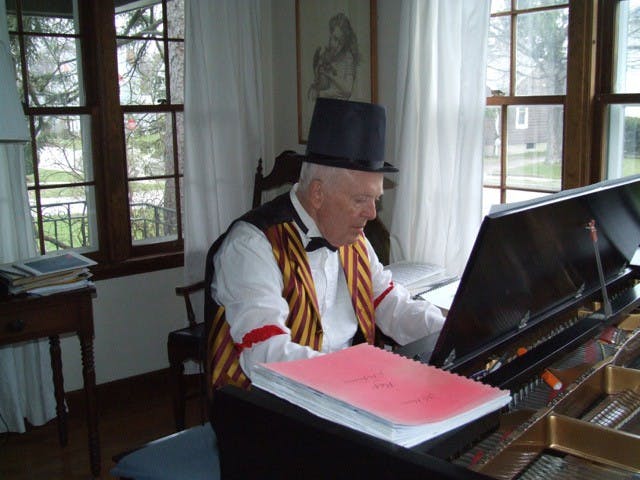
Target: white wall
<point>132,318</point>
<point>134,314</point>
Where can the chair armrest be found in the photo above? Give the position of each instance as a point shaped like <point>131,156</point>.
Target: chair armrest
<point>185,292</point>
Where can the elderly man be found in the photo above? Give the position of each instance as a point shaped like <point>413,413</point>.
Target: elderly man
<point>296,277</point>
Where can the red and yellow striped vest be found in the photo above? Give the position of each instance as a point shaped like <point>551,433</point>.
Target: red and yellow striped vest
<point>299,291</point>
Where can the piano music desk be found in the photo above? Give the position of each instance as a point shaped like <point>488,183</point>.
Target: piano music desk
<point>25,318</point>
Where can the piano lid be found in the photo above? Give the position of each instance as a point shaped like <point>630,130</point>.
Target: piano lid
<point>530,257</point>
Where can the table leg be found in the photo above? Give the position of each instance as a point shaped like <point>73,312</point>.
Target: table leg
<point>58,388</point>
<point>89,376</point>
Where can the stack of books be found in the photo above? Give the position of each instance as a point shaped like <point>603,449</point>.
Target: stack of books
<point>46,274</point>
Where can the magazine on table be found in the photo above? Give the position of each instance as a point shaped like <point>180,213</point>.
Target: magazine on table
<point>46,274</point>
<point>53,263</point>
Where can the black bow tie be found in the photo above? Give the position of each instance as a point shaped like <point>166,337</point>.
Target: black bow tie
<point>319,242</point>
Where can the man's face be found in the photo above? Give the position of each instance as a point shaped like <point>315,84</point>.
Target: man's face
<point>347,205</point>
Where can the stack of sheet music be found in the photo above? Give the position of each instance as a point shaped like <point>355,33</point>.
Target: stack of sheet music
<point>415,276</point>
<point>46,274</point>
<point>380,393</point>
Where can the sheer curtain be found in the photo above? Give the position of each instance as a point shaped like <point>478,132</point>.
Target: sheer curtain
<point>26,384</point>
<point>440,110</point>
<point>225,131</point>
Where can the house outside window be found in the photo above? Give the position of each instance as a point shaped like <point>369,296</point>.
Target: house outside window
<point>526,86</point>
<point>621,92</point>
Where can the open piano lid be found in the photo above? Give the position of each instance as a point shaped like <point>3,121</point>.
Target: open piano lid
<point>531,257</point>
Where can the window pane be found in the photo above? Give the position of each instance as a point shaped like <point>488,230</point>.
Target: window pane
<point>44,16</point>
<point>175,18</point>
<point>12,21</point>
<point>68,219</point>
<point>180,129</point>
<point>53,71</point>
<point>490,196</point>
<point>15,54</point>
<point>176,71</point>
<point>141,72</point>
<point>623,155</point>
<point>57,25</point>
<point>491,161</point>
<point>541,53</point>
<point>153,211</point>
<point>149,143</point>
<point>522,195</point>
<point>523,4</point>
<point>627,64</point>
<point>500,6</point>
<point>498,61</point>
<point>534,146</point>
<point>60,142</point>
<point>181,183</point>
<point>140,22</point>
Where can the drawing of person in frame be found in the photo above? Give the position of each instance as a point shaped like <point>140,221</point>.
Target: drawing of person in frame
<point>335,65</point>
<point>335,45</point>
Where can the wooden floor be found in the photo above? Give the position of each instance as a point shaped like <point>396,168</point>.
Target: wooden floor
<point>131,412</point>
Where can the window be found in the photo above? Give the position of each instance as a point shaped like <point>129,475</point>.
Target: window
<point>526,85</point>
<point>150,68</point>
<point>60,181</point>
<point>522,118</point>
<point>102,85</point>
<point>620,82</point>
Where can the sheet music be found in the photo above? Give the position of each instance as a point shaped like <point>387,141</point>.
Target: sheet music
<point>415,276</point>
<point>442,297</point>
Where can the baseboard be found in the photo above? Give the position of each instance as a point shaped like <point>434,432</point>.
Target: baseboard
<point>152,385</point>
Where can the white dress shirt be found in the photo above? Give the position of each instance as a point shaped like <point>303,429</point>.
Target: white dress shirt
<point>249,284</point>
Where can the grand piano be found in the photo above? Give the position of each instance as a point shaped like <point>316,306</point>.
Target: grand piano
<point>550,288</point>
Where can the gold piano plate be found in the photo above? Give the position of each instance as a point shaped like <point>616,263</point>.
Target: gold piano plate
<point>586,427</point>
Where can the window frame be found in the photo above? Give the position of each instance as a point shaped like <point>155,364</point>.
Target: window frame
<point>510,99</point>
<point>115,253</point>
<point>579,166</point>
<point>604,82</point>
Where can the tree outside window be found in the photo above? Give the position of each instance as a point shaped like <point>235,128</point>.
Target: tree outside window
<point>75,202</point>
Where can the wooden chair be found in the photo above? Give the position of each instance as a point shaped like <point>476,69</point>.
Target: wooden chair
<point>286,170</point>
<point>185,344</point>
<point>188,343</point>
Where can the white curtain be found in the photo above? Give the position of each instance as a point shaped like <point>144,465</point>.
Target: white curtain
<point>225,119</point>
<point>26,383</point>
<point>440,110</point>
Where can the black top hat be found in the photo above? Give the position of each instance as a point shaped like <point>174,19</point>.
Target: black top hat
<point>348,134</point>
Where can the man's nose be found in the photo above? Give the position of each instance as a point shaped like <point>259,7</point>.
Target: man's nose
<point>370,211</point>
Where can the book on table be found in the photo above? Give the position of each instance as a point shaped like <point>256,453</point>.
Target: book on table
<point>380,393</point>
<point>46,273</point>
<point>53,263</point>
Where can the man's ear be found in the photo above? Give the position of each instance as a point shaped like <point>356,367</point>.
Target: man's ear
<point>316,193</point>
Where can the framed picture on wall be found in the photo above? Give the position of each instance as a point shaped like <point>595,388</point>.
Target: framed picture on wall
<point>336,53</point>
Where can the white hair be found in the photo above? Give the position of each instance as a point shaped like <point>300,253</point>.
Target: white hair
<point>314,171</point>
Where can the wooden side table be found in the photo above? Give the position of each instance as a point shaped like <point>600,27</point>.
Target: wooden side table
<point>25,318</point>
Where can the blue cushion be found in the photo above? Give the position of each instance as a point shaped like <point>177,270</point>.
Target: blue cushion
<point>190,454</point>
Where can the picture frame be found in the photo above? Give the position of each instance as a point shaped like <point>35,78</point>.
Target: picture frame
<point>336,54</point>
